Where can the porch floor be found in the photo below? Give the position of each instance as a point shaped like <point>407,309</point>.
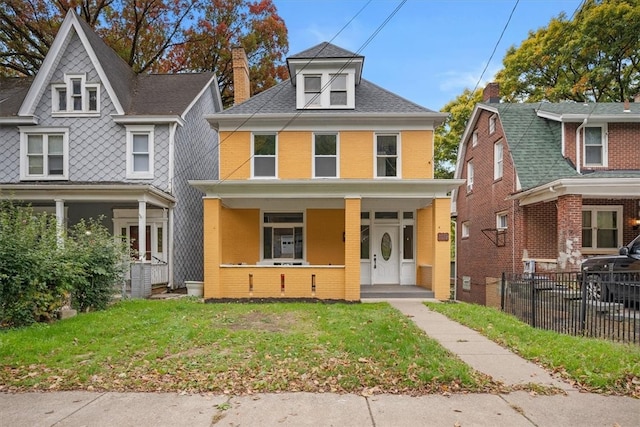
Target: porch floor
<point>394,291</point>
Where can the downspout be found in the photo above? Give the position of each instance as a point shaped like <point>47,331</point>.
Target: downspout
<point>172,141</point>
<point>578,161</point>
<point>455,261</point>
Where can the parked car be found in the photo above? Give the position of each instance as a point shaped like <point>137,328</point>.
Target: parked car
<point>614,278</point>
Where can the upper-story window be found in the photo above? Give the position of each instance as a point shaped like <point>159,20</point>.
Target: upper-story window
<point>75,96</point>
<point>469,176</point>
<point>501,221</point>
<point>595,146</point>
<point>474,138</point>
<point>44,154</point>
<point>325,89</point>
<point>325,155</point>
<point>497,160</point>
<point>464,229</point>
<point>140,145</point>
<point>492,123</point>
<point>264,155</point>
<point>387,153</point>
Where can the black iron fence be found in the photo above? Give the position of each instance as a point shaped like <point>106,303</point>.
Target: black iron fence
<point>600,304</point>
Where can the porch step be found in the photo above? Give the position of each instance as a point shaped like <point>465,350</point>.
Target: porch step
<point>394,291</point>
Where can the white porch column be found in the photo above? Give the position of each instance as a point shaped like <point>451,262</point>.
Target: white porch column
<point>142,230</point>
<point>170,246</point>
<point>60,220</point>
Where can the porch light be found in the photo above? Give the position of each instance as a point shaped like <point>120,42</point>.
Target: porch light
<point>636,223</point>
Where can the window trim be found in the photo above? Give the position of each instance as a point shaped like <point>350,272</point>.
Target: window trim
<point>254,156</point>
<point>465,229</point>
<point>474,138</point>
<point>470,176</point>
<point>492,123</point>
<point>398,155</point>
<point>140,130</point>
<point>499,217</point>
<point>619,209</point>
<point>84,93</point>
<point>24,162</point>
<point>498,161</point>
<point>604,144</point>
<point>314,156</point>
<point>324,100</point>
<point>303,225</point>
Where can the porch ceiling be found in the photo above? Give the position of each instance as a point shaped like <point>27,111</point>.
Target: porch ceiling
<point>88,192</point>
<point>327,193</point>
<point>595,188</point>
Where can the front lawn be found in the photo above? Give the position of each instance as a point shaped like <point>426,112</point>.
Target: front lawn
<point>186,346</point>
<point>595,365</point>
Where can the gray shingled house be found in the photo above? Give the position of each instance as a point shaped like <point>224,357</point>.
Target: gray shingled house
<point>547,184</point>
<point>87,137</point>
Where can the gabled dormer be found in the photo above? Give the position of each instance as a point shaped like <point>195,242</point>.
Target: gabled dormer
<point>325,77</point>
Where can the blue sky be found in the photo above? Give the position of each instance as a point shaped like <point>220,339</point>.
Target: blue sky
<point>431,50</point>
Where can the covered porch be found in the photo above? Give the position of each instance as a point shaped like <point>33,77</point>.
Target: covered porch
<point>324,239</point>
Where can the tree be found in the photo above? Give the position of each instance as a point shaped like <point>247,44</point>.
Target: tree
<point>593,57</point>
<point>154,35</point>
<point>447,137</point>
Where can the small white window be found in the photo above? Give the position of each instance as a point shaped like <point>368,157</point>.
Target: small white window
<point>75,96</point>
<point>283,237</point>
<point>140,147</point>
<point>338,95</point>
<point>474,138</point>
<point>264,155</point>
<point>466,283</point>
<point>44,154</point>
<point>469,176</point>
<point>387,156</point>
<point>497,160</point>
<point>492,124</point>
<point>595,146</point>
<point>464,230</point>
<point>312,90</point>
<point>325,155</point>
<point>501,221</point>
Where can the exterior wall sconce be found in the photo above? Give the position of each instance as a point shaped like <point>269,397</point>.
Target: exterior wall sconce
<point>636,223</point>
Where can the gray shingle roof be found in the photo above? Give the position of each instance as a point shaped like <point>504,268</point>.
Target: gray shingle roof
<point>12,93</point>
<point>370,98</point>
<point>160,94</point>
<point>593,109</point>
<point>324,50</point>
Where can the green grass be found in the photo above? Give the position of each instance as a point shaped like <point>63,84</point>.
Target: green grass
<point>183,345</point>
<point>593,364</point>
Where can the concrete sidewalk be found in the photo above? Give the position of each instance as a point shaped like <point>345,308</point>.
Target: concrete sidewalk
<point>307,409</point>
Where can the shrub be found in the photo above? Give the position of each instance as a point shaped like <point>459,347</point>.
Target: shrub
<point>40,270</point>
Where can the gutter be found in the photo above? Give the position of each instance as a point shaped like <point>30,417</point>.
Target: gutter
<point>578,160</point>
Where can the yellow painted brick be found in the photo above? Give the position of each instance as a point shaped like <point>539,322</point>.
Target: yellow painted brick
<point>294,155</point>
<point>417,154</point>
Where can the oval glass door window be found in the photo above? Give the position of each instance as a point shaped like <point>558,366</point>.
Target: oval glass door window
<point>385,246</point>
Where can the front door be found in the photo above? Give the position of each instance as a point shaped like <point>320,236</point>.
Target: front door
<point>386,253</point>
<point>133,238</point>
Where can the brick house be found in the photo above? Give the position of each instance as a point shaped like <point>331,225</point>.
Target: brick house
<point>326,185</point>
<point>546,185</point>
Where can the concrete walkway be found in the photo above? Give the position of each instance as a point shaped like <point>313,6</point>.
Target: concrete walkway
<point>306,409</point>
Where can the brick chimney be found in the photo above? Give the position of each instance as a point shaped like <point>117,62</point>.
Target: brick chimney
<point>241,83</point>
<point>491,93</point>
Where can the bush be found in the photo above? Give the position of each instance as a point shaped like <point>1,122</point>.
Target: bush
<point>40,271</point>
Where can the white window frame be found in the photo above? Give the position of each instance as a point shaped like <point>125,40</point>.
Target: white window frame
<point>502,221</point>
<point>324,100</point>
<point>303,225</point>
<point>334,89</point>
<point>398,155</point>
<point>474,138</point>
<point>24,161</point>
<point>465,230</point>
<point>498,160</point>
<point>604,144</point>
<point>254,156</point>
<point>492,123</point>
<point>156,219</point>
<point>316,95</point>
<point>594,228</point>
<point>85,89</point>
<point>149,131</point>
<point>470,176</point>
<point>315,156</point>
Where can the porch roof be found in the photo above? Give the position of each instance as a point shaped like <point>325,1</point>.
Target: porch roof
<point>86,192</point>
<point>327,193</point>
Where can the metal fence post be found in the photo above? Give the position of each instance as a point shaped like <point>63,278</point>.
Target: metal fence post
<point>583,304</point>
<point>533,300</point>
<point>503,286</point>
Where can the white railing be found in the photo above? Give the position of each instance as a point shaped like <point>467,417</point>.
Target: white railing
<point>159,274</point>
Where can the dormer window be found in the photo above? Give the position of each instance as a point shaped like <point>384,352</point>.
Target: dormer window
<point>75,97</point>
<point>326,90</point>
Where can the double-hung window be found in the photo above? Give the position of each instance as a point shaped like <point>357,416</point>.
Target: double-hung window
<point>325,155</point>
<point>283,236</point>
<point>312,90</point>
<point>75,96</point>
<point>601,228</point>
<point>497,160</point>
<point>140,147</point>
<point>469,176</point>
<point>264,155</point>
<point>595,147</point>
<point>501,221</point>
<point>492,123</point>
<point>44,154</point>
<point>338,95</point>
<point>387,153</point>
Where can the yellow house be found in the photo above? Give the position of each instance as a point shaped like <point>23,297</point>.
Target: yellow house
<point>326,186</point>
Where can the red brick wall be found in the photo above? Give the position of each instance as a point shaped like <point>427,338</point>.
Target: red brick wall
<point>569,217</point>
<point>541,230</point>
<point>623,144</point>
